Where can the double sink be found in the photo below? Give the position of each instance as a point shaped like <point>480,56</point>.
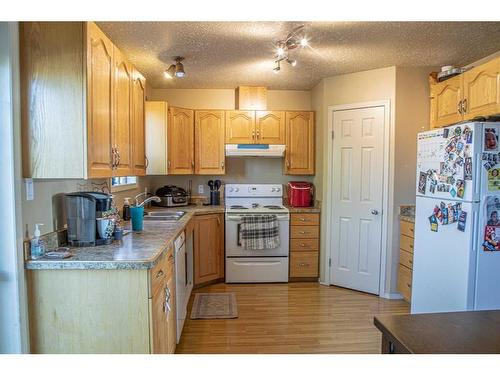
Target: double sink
<point>164,215</point>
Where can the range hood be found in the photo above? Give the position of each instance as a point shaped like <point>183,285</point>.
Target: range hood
<point>268,151</point>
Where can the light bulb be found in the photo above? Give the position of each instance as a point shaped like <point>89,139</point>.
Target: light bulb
<point>292,62</point>
<point>280,51</point>
<point>304,42</point>
<point>170,72</point>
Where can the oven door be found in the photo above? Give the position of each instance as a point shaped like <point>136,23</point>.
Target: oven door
<point>233,245</point>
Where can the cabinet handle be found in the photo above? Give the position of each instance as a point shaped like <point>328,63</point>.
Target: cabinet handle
<point>112,162</point>
<point>410,261</point>
<point>159,274</point>
<point>117,157</point>
<point>171,257</point>
<point>303,264</point>
<point>218,220</point>
<point>464,108</point>
<point>192,164</point>
<point>303,245</point>
<point>253,134</point>
<point>166,304</point>
<point>408,285</point>
<point>287,163</point>
<point>147,161</point>
<point>258,134</point>
<point>411,246</point>
<point>222,165</point>
<point>302,219</point>
<point>302,232</point>
<point>459,107</point>
<point>168,164</point>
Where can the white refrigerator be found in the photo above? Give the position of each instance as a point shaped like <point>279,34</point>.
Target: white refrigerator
<point>456,260</point>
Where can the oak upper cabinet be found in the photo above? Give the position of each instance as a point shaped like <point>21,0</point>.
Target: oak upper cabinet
<point>122,129</point>
<point>100,74</point>
<point>180,140</point>
<point>76,102</point>
<point>299,154</point>
<point>156,137</point>
<point>481,90</point>
<point>270,127</point>
<point>209,133</point>
<point>208,248</point>
<point>446,99</point>
<point>139,160</point>
<point>240,127</point>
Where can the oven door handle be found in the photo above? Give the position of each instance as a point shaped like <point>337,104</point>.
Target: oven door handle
<point>238,217</point>
<point>238,232</point>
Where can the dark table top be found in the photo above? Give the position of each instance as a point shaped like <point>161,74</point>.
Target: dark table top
<point>468,332</point>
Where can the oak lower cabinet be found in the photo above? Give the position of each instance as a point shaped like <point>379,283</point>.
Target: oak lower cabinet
<point>103,311</point>
<point>304,246</point>
<point>208,248</point>
<point>405,269</point>
<point>209,135</point>
<point>300,145</point>
<point>180,135</point>
<point>474,93</point>
<point>76,102</point>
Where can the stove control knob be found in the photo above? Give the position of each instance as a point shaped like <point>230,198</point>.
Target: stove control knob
<point>236,189</point>
<point>273,190</point>
<point>278,190</point>
<point>231,189</point>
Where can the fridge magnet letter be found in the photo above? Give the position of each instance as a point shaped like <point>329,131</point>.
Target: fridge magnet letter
<point>462,219</point>
<point>490,139</point>
<point>422,182</point>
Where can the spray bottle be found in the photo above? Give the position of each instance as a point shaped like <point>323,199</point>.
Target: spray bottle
<point>37,244</point>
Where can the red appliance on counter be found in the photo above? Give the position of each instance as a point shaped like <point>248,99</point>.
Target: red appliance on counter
<point>300,194</point>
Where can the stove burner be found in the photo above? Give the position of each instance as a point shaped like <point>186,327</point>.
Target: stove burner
<point>238,207</point>
<point>274,207</point>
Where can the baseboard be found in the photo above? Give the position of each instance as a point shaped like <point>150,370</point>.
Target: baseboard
<point>391,296</point>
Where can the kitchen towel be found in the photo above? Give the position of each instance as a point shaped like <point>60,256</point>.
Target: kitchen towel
<point>259,232</point>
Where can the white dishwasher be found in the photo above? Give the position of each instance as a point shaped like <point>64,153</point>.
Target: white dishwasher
<point>183,279</point>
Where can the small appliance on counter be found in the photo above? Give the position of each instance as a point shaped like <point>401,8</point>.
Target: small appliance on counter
<point>172,196</point>
<point>86,224</point>
<point>300,194</point>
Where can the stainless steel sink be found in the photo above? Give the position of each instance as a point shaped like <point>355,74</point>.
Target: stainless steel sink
<point>164,215</point>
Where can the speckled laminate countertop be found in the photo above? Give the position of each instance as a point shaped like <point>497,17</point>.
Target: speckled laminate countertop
<point>407,213</point>
<point>137,250</point>
<point>305,210</point>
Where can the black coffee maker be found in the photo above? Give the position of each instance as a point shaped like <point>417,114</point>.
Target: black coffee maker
<point>86,225</point>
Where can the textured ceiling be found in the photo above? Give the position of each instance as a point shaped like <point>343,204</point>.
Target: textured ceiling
<point>228,54</point>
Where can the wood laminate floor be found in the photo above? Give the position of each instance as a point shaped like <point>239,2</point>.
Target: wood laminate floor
<point>290,318</point>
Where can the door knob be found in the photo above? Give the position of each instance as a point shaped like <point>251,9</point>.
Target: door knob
<point>374,212</point>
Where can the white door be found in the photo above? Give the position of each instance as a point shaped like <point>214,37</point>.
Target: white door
<point>358,161</point>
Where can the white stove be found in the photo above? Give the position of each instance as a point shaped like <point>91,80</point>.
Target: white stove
<point>255,266</point>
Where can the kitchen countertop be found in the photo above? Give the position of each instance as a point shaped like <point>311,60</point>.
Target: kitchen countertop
<point>407,213</point>
<point>305,210</point>
<point>137,250</point>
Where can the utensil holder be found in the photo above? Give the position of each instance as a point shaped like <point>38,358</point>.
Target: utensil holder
<point>137,216</point>
<point>215,198</point>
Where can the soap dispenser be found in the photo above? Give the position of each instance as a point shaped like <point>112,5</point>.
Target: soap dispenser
<point>37,244</point>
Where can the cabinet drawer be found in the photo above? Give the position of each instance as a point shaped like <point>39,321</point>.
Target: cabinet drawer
<point>406,243</point>
<point>304,231</point>
<point>304,244</point>
<point>161,271</point>
<point>404,282</point>
<point>304,264</point>
<point>406,258</point>
<point>304,219</point>
<point>407,228</point>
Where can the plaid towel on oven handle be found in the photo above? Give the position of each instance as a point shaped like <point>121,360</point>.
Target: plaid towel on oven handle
<point>259,232</point>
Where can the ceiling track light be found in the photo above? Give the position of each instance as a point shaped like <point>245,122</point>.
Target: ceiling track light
<point>175,70</point>
<point>295,38</point>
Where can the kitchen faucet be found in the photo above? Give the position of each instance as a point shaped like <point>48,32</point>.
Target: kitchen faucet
<point>146,199</point>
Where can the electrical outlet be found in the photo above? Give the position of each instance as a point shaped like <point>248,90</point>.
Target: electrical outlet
<point>200,189</point>
<point>30,191</point>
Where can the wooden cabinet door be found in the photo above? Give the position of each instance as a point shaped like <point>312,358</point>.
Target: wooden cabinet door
<point>240,127</point>
<point>180,141</point>
<point>445,102</point>
<point>159,321</point>
<point>138,124</point>
<point>270,127</point>
<point>122,124</point>
<point>481,87</point>
<point>299,157</point>
<point>208,248</point>
<point>209,142</point>
<point>156,137</point>
<point>100,69</point>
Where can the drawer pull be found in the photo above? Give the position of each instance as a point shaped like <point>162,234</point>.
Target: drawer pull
<point>303,219</point>
<point>303,245</point>
<point>302,232</point>
<point>159,274</point>
<point>408,285</point>
<point>410,261</point>
<point>411,246</point>
<point>411,229</point>
<point>303,264</point>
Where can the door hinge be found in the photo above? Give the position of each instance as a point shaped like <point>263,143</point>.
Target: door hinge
<point>329,262</point>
